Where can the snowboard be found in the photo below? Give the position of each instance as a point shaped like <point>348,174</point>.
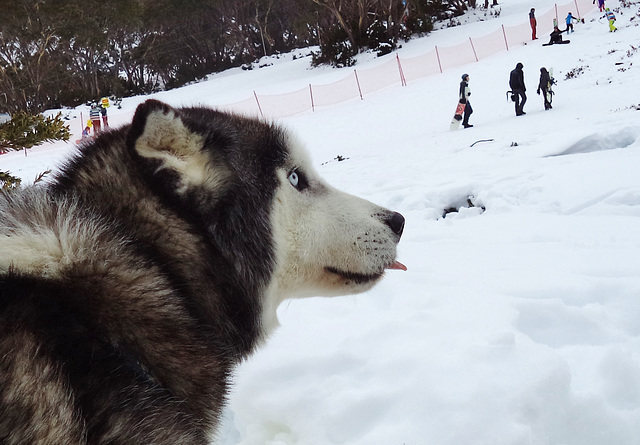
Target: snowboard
<point>457,116</point>
<point>556,43</point>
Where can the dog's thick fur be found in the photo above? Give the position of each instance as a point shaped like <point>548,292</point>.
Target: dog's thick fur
<point>154,262</point>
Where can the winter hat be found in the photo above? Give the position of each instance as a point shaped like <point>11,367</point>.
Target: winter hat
<point>519,66</point>
<point>464,76</point>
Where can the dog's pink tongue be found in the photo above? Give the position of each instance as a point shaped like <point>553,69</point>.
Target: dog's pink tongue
<point>397,265</point>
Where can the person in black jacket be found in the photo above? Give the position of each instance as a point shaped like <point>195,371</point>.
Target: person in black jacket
<point>465,92</point>
<point>516,82</point>
<point>555,36</point>
<point>545,86</point>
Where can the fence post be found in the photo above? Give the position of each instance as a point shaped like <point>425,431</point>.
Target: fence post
<point>505,38</point>
<point>258,102</point>
<point>557,21</point>
<point>438,56</point>
<point>474,49</point>
<point>358,83</point>
<point>403,81</point>
<point>313,108</point>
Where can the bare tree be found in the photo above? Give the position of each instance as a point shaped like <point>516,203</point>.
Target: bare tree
<point>336,8</point>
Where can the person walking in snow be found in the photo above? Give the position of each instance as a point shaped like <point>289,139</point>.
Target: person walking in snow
<point>95,115</point>
<point>569,21</point>
<point>611,18</point>
<point>545,86</point>
<point>465,92</point>
<point>600,4</point>
<point>518,88</point>
<point>533,22</point>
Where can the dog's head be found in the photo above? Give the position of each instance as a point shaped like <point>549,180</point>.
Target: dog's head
<point>251,186</point>
<point>330,242</point>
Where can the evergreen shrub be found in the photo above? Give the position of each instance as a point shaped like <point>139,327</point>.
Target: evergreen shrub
<point>26,130</point>
<point>335,49</point>
<point>378,39</point>
<point>8,182</point>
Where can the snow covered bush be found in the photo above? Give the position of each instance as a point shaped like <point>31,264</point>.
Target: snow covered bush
<point>335,50</point>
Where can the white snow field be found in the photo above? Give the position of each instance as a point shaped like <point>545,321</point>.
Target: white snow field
<point>516,325</point>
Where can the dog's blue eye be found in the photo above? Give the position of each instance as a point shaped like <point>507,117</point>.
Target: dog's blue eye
<point>298,180</point>
<point>294,179</point>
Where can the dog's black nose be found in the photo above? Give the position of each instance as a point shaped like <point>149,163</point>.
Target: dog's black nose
<point>396,222</point>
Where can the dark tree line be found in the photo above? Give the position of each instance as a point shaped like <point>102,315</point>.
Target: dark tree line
<point>56,53</point>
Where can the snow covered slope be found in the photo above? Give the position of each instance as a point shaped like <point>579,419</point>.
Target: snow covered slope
<point>517,324</point>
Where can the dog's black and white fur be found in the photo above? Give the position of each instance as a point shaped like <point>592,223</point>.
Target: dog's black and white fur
<point>154,262</point>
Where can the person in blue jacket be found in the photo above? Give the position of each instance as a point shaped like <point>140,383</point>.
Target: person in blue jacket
<point>612,19</point>
<point>569,21</point>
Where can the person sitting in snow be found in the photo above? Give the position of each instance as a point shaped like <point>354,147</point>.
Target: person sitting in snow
<point>556,36</point>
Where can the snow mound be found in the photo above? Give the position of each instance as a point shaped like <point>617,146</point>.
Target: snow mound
<point>623,138</point>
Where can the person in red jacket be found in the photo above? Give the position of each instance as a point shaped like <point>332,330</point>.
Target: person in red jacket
<point>534,23</point>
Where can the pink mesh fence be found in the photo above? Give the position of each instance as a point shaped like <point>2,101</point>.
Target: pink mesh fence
<point>545,23</point>
<point>336,92</point>
<point>382,76</point>
<point>421,66</point>
<point>286,104</point>
<point>490,44</point>
<point>398,71</point>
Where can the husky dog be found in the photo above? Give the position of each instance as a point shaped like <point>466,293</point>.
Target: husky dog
<point>154,262</point>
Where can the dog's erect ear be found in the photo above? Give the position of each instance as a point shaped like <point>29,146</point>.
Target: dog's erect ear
<point>158,132</point>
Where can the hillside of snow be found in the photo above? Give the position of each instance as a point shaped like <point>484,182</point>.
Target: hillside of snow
<point>518,320</point>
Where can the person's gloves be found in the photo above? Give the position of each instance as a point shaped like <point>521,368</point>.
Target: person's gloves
<point>538,91</point>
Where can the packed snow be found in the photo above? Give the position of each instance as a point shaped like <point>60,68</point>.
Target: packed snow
<point>518,320</point>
